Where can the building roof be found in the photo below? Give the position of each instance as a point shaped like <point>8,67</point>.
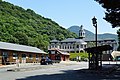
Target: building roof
<point>74,40</point>
<point>55,40</point>
<point>16,47</point>
<point>63,52</point>
<point>98,49</point>
<point>60,51</point>
<point>107,39</point>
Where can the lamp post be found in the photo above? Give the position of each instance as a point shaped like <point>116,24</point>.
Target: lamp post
<point>94,21</point>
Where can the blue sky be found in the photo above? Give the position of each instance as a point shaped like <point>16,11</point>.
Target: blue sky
<point>69,12</point>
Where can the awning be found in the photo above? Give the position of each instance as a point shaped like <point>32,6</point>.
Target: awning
<point>115,54</point>
<point>64,53</point>
<point>60,51</point>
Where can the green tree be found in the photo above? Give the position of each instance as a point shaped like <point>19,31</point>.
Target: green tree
<point>61,37</point>
<point>22,38</point>
<point>112,14</point>
<point>21,26</point>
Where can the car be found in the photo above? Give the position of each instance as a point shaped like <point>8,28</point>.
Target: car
<point>49,61</point>
<point>43,62</point>
<point>46,61</point>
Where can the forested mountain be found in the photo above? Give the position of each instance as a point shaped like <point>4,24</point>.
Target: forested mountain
<point>25,27</point>
<point>90,36</point>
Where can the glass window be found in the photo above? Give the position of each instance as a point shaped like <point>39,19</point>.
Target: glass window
<point>77,46</point>
<point>65,47</point>
<point>30,56</point>
<point>15,56</point>
<point>81,46</point>
<point>60,47</point>
<point>52,52</point>
<point>37,57</point>
<point>5,54</point>
<point>23,56</point>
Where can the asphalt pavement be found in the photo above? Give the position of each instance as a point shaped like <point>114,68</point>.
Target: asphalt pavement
<point>62,71</point>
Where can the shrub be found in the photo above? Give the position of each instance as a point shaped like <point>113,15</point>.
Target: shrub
<point>83,56</point>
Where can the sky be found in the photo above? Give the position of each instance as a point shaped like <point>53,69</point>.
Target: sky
<point>69,13</point>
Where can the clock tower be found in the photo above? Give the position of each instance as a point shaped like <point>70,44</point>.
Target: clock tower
<point>81,32</point>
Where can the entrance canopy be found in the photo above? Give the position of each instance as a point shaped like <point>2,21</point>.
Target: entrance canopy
<point>98,49</point>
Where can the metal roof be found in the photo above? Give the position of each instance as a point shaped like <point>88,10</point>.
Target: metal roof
<point>74,40</point>
<point>16,47</point>
<point>55,40</point>
<point>107,39</point>
<point>98,49</point>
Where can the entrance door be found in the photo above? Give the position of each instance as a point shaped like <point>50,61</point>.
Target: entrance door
<point>64,57</point>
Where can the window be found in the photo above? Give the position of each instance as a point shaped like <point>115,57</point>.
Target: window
<point>5,54</point>
<point>23,56</point>
<point>30,56</point>
<point>52,52</point>
<point>37,57</point>
<point>60,47</point>
<point>81,34</point>
<point>81,46</point>
<point>15,56</point>
<point>77,46</point>
<point>65,47</point>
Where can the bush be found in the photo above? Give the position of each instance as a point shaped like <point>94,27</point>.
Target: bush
<point>83,56</point>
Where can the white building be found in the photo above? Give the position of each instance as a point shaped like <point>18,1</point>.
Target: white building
<point>101,42</point>
<point>71,44</point>
<point>79,44</point>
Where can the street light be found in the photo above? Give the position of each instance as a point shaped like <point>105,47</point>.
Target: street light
<point>94,21</point>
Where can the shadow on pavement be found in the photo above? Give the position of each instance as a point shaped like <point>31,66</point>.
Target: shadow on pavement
<point>82,74</point>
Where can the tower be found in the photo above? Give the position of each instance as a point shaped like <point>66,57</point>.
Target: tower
<point>81,32</point>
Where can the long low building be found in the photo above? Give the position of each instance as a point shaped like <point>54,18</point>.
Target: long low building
<point>12,53</point>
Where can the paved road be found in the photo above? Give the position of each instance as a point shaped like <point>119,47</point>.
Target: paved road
<point>43,72</point>
<point>62,71</point>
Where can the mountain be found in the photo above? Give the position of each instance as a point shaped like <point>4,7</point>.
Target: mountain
<point>90,36</point>
<point>25,27</point>
<point>107,36</point>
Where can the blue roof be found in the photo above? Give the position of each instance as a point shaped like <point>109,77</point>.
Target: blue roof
<point>16,47</point>
<point>74,40</point>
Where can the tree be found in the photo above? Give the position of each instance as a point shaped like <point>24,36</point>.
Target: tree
<point>22,37</point>
<point>112,14</point>
<point>25,27</point>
